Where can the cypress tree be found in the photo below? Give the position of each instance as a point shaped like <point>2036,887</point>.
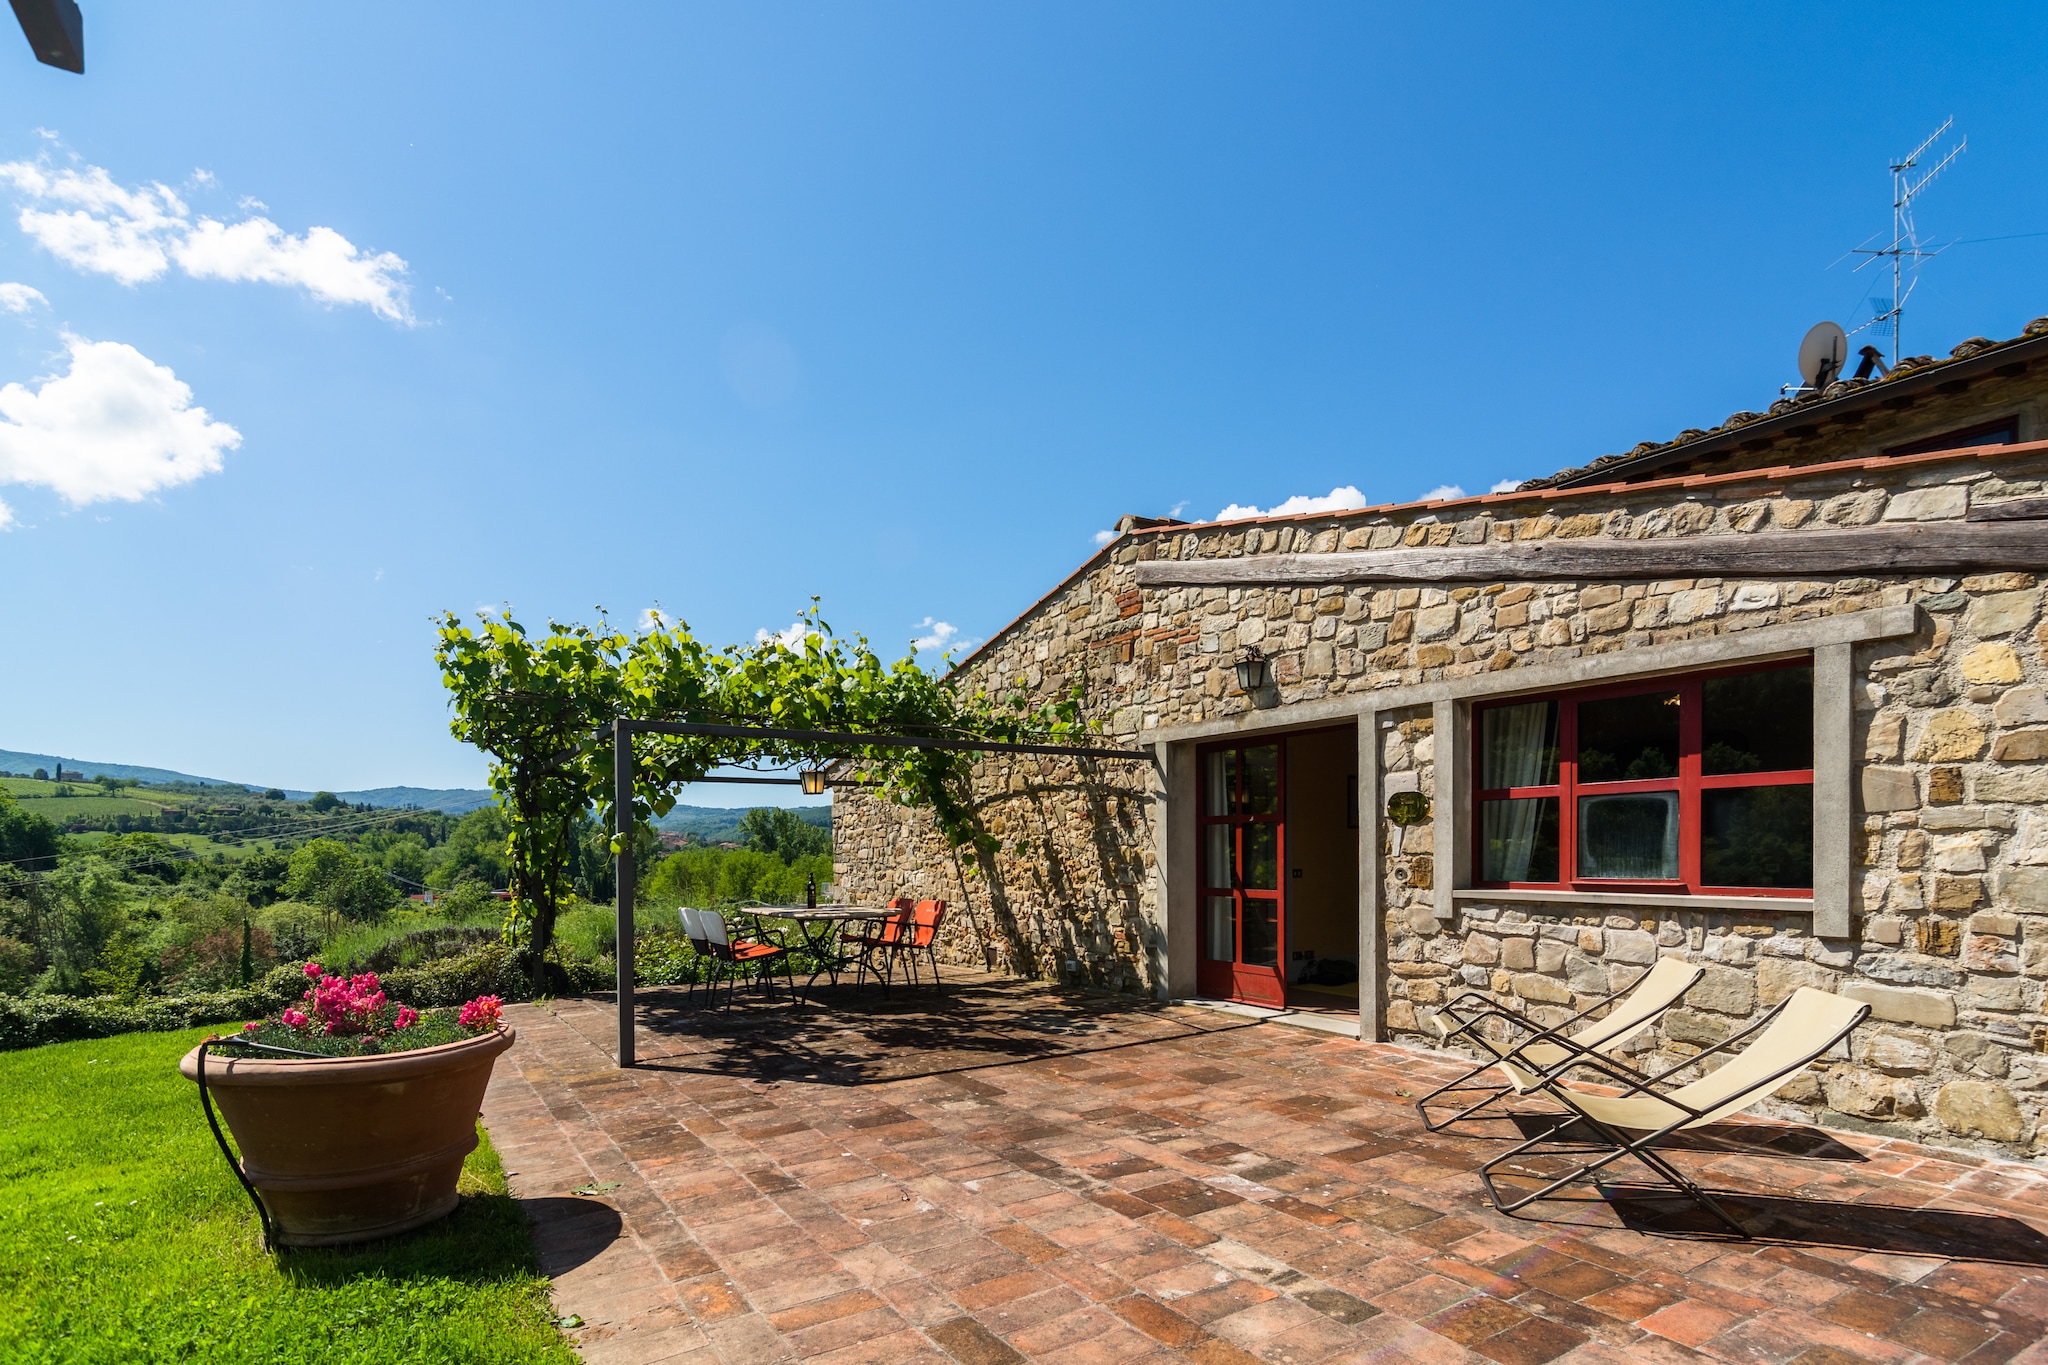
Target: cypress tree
<point>248,957</point>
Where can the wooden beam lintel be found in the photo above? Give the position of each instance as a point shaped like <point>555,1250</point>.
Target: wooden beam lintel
<point>1927,547</point>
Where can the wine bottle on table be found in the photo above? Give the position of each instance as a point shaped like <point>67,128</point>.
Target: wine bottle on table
<point>811,891</point>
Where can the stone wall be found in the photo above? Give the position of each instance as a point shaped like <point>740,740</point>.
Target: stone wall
<point>1951,886</point>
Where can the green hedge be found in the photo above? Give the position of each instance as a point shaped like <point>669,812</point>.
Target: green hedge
<point>492,969</point>
<point>32,1020</point>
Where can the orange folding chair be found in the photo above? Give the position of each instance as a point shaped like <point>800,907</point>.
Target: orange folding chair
<point>883,939</point>
<point>919,935</point>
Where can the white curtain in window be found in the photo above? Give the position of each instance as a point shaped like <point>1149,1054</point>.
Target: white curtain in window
<point>1630,836</point>
<point>1513,743</point>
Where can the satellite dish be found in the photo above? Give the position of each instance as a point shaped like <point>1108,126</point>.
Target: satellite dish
<point>1822,355</point>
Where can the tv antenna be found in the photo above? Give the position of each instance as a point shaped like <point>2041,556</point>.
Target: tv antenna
<point>1905,251</point>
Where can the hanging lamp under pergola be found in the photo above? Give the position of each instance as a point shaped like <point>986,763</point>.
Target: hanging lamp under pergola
<point>622,730</point>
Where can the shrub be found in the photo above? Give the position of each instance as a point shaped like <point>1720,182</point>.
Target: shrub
<point>488,969</point>
<point>29,1021</point>
<point>663,960</point>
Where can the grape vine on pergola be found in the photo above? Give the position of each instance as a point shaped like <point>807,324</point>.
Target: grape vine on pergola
<point>821,742</point>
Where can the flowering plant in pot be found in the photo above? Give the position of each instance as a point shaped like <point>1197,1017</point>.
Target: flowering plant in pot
<point>353,1113</point>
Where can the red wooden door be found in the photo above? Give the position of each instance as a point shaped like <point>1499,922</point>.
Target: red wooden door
<point>1243,839</point>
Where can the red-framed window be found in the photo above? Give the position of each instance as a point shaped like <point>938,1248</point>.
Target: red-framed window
<point>1689,785</point>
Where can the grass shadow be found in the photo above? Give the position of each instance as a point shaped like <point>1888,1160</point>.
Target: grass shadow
<point>485,1240</point>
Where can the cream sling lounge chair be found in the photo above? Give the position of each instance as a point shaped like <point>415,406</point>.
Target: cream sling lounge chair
<point>1802,1027</point>
<point>1524,1060</point>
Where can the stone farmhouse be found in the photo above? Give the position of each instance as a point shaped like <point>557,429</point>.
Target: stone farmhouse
<point>1771,696</point>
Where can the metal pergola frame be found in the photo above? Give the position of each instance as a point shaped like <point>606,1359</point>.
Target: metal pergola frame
<point>622,730</point>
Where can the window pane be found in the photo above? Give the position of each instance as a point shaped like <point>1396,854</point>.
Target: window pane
<point>1216,866</point>
<point>1262,780</point>
<point>1758,723</point>
<point>1629,739</point>
<point>1219,942</point>
<point>1519,840</point>
<point>1518,746</point>
<point>1261,857</point>
<point>1261,933</point>
<point>1632,837</point>
<point>1757,836</point>
<point>1222,781</point>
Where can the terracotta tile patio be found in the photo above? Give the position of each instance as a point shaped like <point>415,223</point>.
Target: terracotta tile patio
<point>1014,1173</point>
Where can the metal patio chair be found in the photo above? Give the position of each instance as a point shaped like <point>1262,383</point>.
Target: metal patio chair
<point>1522,1063</point>
<point>737,958</point>
<point>881,940</point>
<point>1635,1121</point>
<point>920,935</point>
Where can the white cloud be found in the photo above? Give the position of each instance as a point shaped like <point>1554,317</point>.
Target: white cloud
<point>943,635</point>
<point>19,298</point>
<point>1178,508</point>
<point>1104,537</point>
<point>116,426</point>
<point>652,619</point>
<point>86,220</point>
<point>1505,486</point>
<point>6,517</point>
<point>1442,492</point>
<point>1343,499</point>
<point>792,636</point>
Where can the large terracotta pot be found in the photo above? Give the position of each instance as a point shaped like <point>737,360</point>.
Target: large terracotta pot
<point>344,1149</point>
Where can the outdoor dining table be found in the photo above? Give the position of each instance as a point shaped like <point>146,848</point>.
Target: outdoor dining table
<point>818,924</point>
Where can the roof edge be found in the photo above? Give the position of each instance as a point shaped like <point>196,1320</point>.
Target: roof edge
<point>1775,474</point>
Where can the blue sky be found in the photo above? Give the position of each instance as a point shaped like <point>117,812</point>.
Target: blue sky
<point>721,307</point>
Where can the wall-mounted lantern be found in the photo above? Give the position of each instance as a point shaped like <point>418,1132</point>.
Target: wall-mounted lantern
<point>814,781</point>
<point>1253,672</point>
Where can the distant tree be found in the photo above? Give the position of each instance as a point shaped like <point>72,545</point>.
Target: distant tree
<point>323,802</point>
<point>259,878</point>
<point>474,851</point>
<point>771,829</point>
<point>42,774</point>
<point>327,873</point>
<point>87,907</point>
<point>402,855</point>
<point>25,836</point>
<point>273,794</point>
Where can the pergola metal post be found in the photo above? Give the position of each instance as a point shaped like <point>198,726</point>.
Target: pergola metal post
<point>622,803</point>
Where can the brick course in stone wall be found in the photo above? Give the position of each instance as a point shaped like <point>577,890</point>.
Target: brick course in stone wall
<point>1950,885</point>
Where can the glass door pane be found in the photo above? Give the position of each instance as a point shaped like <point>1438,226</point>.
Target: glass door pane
<point>1218,860</point>
<point>1219,937</point>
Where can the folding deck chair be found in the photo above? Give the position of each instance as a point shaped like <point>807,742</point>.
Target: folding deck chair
<point>1522,1062</point>
<point>1800,1028</point>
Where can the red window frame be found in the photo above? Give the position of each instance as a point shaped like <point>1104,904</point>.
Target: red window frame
<point>1689,784</point>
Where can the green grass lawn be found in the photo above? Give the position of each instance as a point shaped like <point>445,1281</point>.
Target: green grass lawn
<point>197,843</point>
<point>59,809</point>
<point>124,1237</point>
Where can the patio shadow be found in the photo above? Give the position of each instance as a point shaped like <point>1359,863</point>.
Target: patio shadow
<point>1951,1234</point>
<point>845,1037</point>
<point>1753,1138</point>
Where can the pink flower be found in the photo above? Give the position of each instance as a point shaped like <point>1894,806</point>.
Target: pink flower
<point>296,1021</point>
<point>407,1017</point>
<point>250,1028</point>
<point>312,970</point>
<point>482,1012</point>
